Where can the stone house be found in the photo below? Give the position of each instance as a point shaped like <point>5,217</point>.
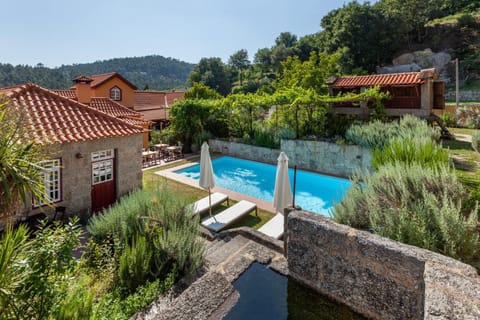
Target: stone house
<point>94,158</point>
<point>417,93</point>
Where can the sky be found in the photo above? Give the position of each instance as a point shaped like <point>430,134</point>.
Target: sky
<point>56,32</point>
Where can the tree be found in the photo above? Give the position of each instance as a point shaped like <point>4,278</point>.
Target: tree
<point>20,172</point>
<point>213,73</point>
<point>263,59</point>
<point>310,74</point>
<point>239,61</point>
<point>370,38</point>
<point>201,91</point>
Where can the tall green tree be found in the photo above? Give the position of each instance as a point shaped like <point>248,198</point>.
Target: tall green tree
<point>213,73</point>
<point>239,62</point>
<point>370,38</point>
<point>201,91</point>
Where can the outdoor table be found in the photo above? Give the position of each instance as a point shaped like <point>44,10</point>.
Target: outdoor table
<point>161,146</point>
<point>174,152</point>
<point>149,158</point>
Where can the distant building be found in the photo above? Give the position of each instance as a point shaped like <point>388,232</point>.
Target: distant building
<point>416,93</point>
<point>153,105</point>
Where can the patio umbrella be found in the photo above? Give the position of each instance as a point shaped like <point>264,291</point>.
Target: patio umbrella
<point>282,196</point>
<point>206,173</point>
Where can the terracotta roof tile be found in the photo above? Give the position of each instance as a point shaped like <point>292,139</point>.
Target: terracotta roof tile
<point>155,114</point>
<point>56,119</point>
<point>112,108</point>
<point>99,79</point>
<point>145,100</point>
<point>70,94</point>
<point>172,96</point>
<point>379,79</point>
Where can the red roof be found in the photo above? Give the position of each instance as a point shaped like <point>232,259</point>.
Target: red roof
<point>56,119</point>
<point>407,78</point>
<point>172,96</point>
<point>98,79</point>
<point>155,114</point>
<point>112,108</point>
<point>115,109</point>
<point>146,100</point>
<point>70,94</point>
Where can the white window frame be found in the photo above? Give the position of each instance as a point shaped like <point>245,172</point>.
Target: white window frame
<point>102,171</point>
<point>116,94</point>
<point>103,154</point>
<point>52,179</point>
<point>102,166</point>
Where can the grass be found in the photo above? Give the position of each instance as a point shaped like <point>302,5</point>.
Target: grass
<point>451,19</point>
<point>150,179</point>
<point>463,131</point>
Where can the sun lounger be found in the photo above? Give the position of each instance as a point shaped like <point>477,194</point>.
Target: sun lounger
<point>273,227</point>
<point>202,205</point>
<point>228,216</point>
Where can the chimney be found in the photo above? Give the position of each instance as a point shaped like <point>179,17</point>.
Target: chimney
<point>82,88</point>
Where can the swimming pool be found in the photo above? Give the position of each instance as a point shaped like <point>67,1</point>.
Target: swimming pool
<point>315,192</point>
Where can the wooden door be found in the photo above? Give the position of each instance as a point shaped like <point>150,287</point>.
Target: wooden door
<point>103,180</point>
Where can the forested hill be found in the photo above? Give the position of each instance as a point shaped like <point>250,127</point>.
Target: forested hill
<point>149,72</point>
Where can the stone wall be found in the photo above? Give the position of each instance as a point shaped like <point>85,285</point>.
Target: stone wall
<point>378,277</point>
<point>463,95</point>
<point>76,177</point>
<point>331,158</point>
<point>245,151</point>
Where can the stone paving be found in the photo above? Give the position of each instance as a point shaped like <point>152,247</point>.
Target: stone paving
<point>210,294</point>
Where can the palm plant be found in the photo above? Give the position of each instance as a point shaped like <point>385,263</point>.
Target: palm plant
<point>20,173</point>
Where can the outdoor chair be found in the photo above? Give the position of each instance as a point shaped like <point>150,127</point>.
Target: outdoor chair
<point>274,227</point>
<point>229,216</point>
<point>201,206</point>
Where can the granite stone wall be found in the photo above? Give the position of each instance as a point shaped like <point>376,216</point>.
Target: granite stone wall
<point>76,177</point>
<point>378,277</point>
<point>330,158</point>
<point>472,95</point>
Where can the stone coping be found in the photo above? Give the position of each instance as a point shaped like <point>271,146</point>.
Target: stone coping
<point>210,293</point>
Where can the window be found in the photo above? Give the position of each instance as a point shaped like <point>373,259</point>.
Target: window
<point>102,171</point>
<point>102,166</point>
<point>116,94</point>
<point>104,154</point>
<point>51,180</point>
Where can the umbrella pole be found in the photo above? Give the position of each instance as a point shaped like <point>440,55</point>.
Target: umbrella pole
<point>294,183</point>
<point>209,202</point>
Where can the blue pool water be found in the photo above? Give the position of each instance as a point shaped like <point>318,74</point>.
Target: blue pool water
<point>314,192</point>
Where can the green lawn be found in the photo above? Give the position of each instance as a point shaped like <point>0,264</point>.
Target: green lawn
<point>463,130</point>
<point>150,180</point>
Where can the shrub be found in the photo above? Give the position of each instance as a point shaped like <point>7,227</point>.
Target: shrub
<point>134,266</point>
<point>78,302</point>
<point>476,141</point>
<point>424,152</point>
<point>415,205</point>
<point>13,272</point>
<point>377,134</point>
<point>449,119</point>
<point>264,137</point>
<point>469,116</point>
<point>168,226</point>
